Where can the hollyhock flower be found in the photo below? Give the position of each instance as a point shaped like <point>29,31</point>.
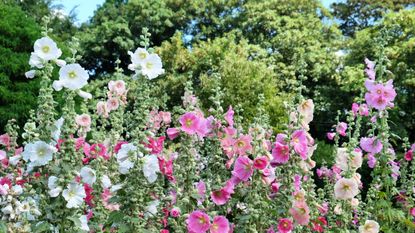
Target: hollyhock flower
<point>409,155</point>
<point>371,145</point>
<point>151,208</point>
<point>380,96</point>
<point>83,120</point>
<point>117,87</point>
<point>341,128</point>
<point>84,223</point>
<point>227,145</point>
<point>243,168</point>
<point>349,162</point>
<point>175,212</point>
<point>285,225</point>
<point>30,74</point>
<point>39,153</point>
<point>306,110</point>
<point>46,49</point>
<point>36,61</point>
<point>370,69</point>
<point>281,153</point>
<point>346,188</point>
<point>172,133</point>
<point>102,109</point>
<point>150,168</point>
<point>369,227</point>
<point>219,225</point>
<point>330,136</point>
<point>112,104</point>
<point>204,126</point>
<point>229,116</point>
<point>371,160</point>
<point>73,76</point>
<point>220,197</point>
<point>74,194</point>
<point>84,95</point>
<point>126,151</point>
<point>299,142</point>
<point>152,66</point>
<point>260,162</point>
<point>201,190</point>
<point>189,122</point>
<point>5,140</point>
<point>88,192</point>
<point>88,175</point>
<point>242,145</point>
<point>394,169</point>
<point>54,189</point>
<point>198,222</point>
<point>364,110</point>
<point>355,108</point>
<point>106,196</point>
<point>138,57</point>
<point>323,208</point>
<point>166,168</point>
<point>117,147</point>
<point>300,212</point>
<point>156,145</point>
<point>412,211</point>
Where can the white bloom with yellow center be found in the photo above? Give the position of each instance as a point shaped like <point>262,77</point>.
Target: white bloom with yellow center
<point>139,56</point>
<point>369,227</point>
<point>346,188</point>
<point>38,153</point>
<point>54,189</point>
<point>152,66</point>
<point>74,195</point>
<point>72,76</point>
<point>46,49</point>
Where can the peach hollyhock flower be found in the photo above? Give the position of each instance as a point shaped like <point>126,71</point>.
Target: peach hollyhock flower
<point>243,168</point>
<point>306,110</point>
<point>227,145</point>
<point>117,87</point>
<point>219,225</point>
<point>341,128</point>
<point>243,144</point>
<point>102,109</point>
<point>113,104</point>
<point>346,188</point>
<point>285,225</point>
<point>83,120</point>
<point>369,227</point>
<point>347,161</point>
<point>301,213</point>
<point>299,142</point>
<point>190,123</point>
<point>198,222</point>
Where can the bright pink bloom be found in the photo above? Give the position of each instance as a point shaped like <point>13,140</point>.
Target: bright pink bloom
<point>371,145</point>
<point>299,142</point>
<point>220,225</point>
<point>281,153</point>
<point>198,222</point>
<point>355,108</point>
<point>175,212</point>
<point>412,211</point>
<point>330,136</point>
<point>341,128</point>
<point>380,96</point>
<point>301,213</point>
<point>364,110</point>
<point>189,122</point>
<point>172,133</point>
<point>227,145</point>
<point>371,162</point>
<point>221,196</point>
<point>243,168</point>
<point>260,162</point>
<point>88,191</point>
<point>285,225</point>
<point>409,155</point>
<point>229,116</point>
<point>97,149</point>
<point>164,231</point>
<point>156,145</point>
<point>204,126</point>
<point>243,144</point>
<point>275,187</point>
<point>166,168</point>
<point>5,140</point>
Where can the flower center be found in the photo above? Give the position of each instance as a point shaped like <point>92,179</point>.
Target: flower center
<point>71,194</point>
<point>202,220</point>
<point>41,152</point>
<point>379,92</point>
<point>240,144</point>
<point>346,187</point>
<point>45,49</point>
<point>189,122</point>
<point>72,74</point>
<point>215,226</point>
<point>149,65</point>
<point>142,55</point>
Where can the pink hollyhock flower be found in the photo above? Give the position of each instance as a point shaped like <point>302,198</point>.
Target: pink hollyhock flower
<point>117,87</point>
<point>346,188</point>
<point>275,187</point>
<point>106,196</point>
<point>221,196</point>
<point>371,162</point>
<point>281,138</point>
<point>204,126</point>
<point>285,225</point>
<point>371,145</point>
<point>409,155</point>
<point>5,140</point>
<point>243,144</point>
<point>379,96</point>
<point>175,212</point>
<point>112,104</point>
<point>219,225</point>
<point>156,145</point>
<point>364,110</point>
<point>281,153</point>
<point>102,109</point>
<point>412,211</point>
<point>166,117</point>
<point>243,168</point>
<point>300,212</point>
<point>355,108</point>
<point>370,69</point>
<point>97,149</point>
<point>330,136</point>
<point>88,191</point>
<point>323,208</point>
<point>198,222</point>
<point>79,143</point>
<point>189,122</point>
<point>297,182</point>
<point>166,168</point>
<point>271,230</point>
<point>227,145</point>
<point>83,120</point>
<point>164,231</point>
<point>172,133</point>
<point>201,190</point>
<point>299,142</point>
<point>229,116</point>
<point>341,128</point>
<point>260,162</point>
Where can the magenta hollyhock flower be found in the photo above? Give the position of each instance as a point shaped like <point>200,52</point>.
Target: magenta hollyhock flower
<point>88,192</point>
<point>380,96</point>
<point>355,108</point>
<point>260,162</point>
<point>412,211</point>
<point>243,144</point>
<point>155,144</point>
<point>297,182</point>
<point>409,155</point>
<point>285,225</point>
<point>220,197</point>
<point>281,153</point>
<point>341,128</point>
<point>300,212</point>
<point>299,142</point>
<point>95,150</point>
<point>219,225</point>
<point>172,133</point>
<point>198,222</point>
<point>371,145</point>
<point>330,136</point>
<point>190,123</point>
<point>243,168</point>
<point>229,116</point>
<point>175,212</point>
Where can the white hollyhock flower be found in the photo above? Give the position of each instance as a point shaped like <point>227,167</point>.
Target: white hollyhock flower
<point>151,209</point>
<point>36,61</point>
<point>57,85</point>
<point>17,189</point>
<point>54,189</point>
<point>47,49</point>
<point>88,175</point>
<point>39,153</point>
<point>60,62</point>
<point>106,182</point>
<point>139,56</point>
<point>84,95</point>
<point>74,195</point>
<point>152,66</point>
<point>14,160</point>
<point>73,77</point>
<point>84,223</point>
<point>56,132</point>
<point>125,166</point>
<point>369,227</point>
<point>30,74</point>
<point>127,151</point>
<point>346,188</point>
<point>150,167</point>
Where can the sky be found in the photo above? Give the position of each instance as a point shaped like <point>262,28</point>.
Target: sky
<point>85,8</point>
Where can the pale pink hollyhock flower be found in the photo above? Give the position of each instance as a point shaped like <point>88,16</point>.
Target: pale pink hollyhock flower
<point>198,222</point>
<point>83,120</point>
<point>243,144</point>
<point>341,128</point>
<point>306,110</point>
<point>338,209</point>
<point>380,96</point>
<point>113,104</point>
<point>355,108</point>
<point>260,162</point>
<point>227,145</point>
<point>300,212</point>
<point>371,160</point>
<point>285,225</point>
<point>219,225</point>
<point>299,142</point>
<point>106,196</point>
<point>370,69</point>
<point>175,212</point>
<point>354,202</point>
<point>409,155</point>
<point>166,117</point>
<point>243,168</point>
<point>201,190</point>
<point>346,188</point>
<point>172,133</point>
<point>117,87</point>
<point>323,208</point>
<point>190,123</point>
<point>102,109</point>
<point>281,153</point>
<point>371,145</point>
<point>330,136</point>
<point>369,227</point>
<point>5,140</point>
<point>229,116</point>
<point>364,110</point>
<point>347,161</point>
